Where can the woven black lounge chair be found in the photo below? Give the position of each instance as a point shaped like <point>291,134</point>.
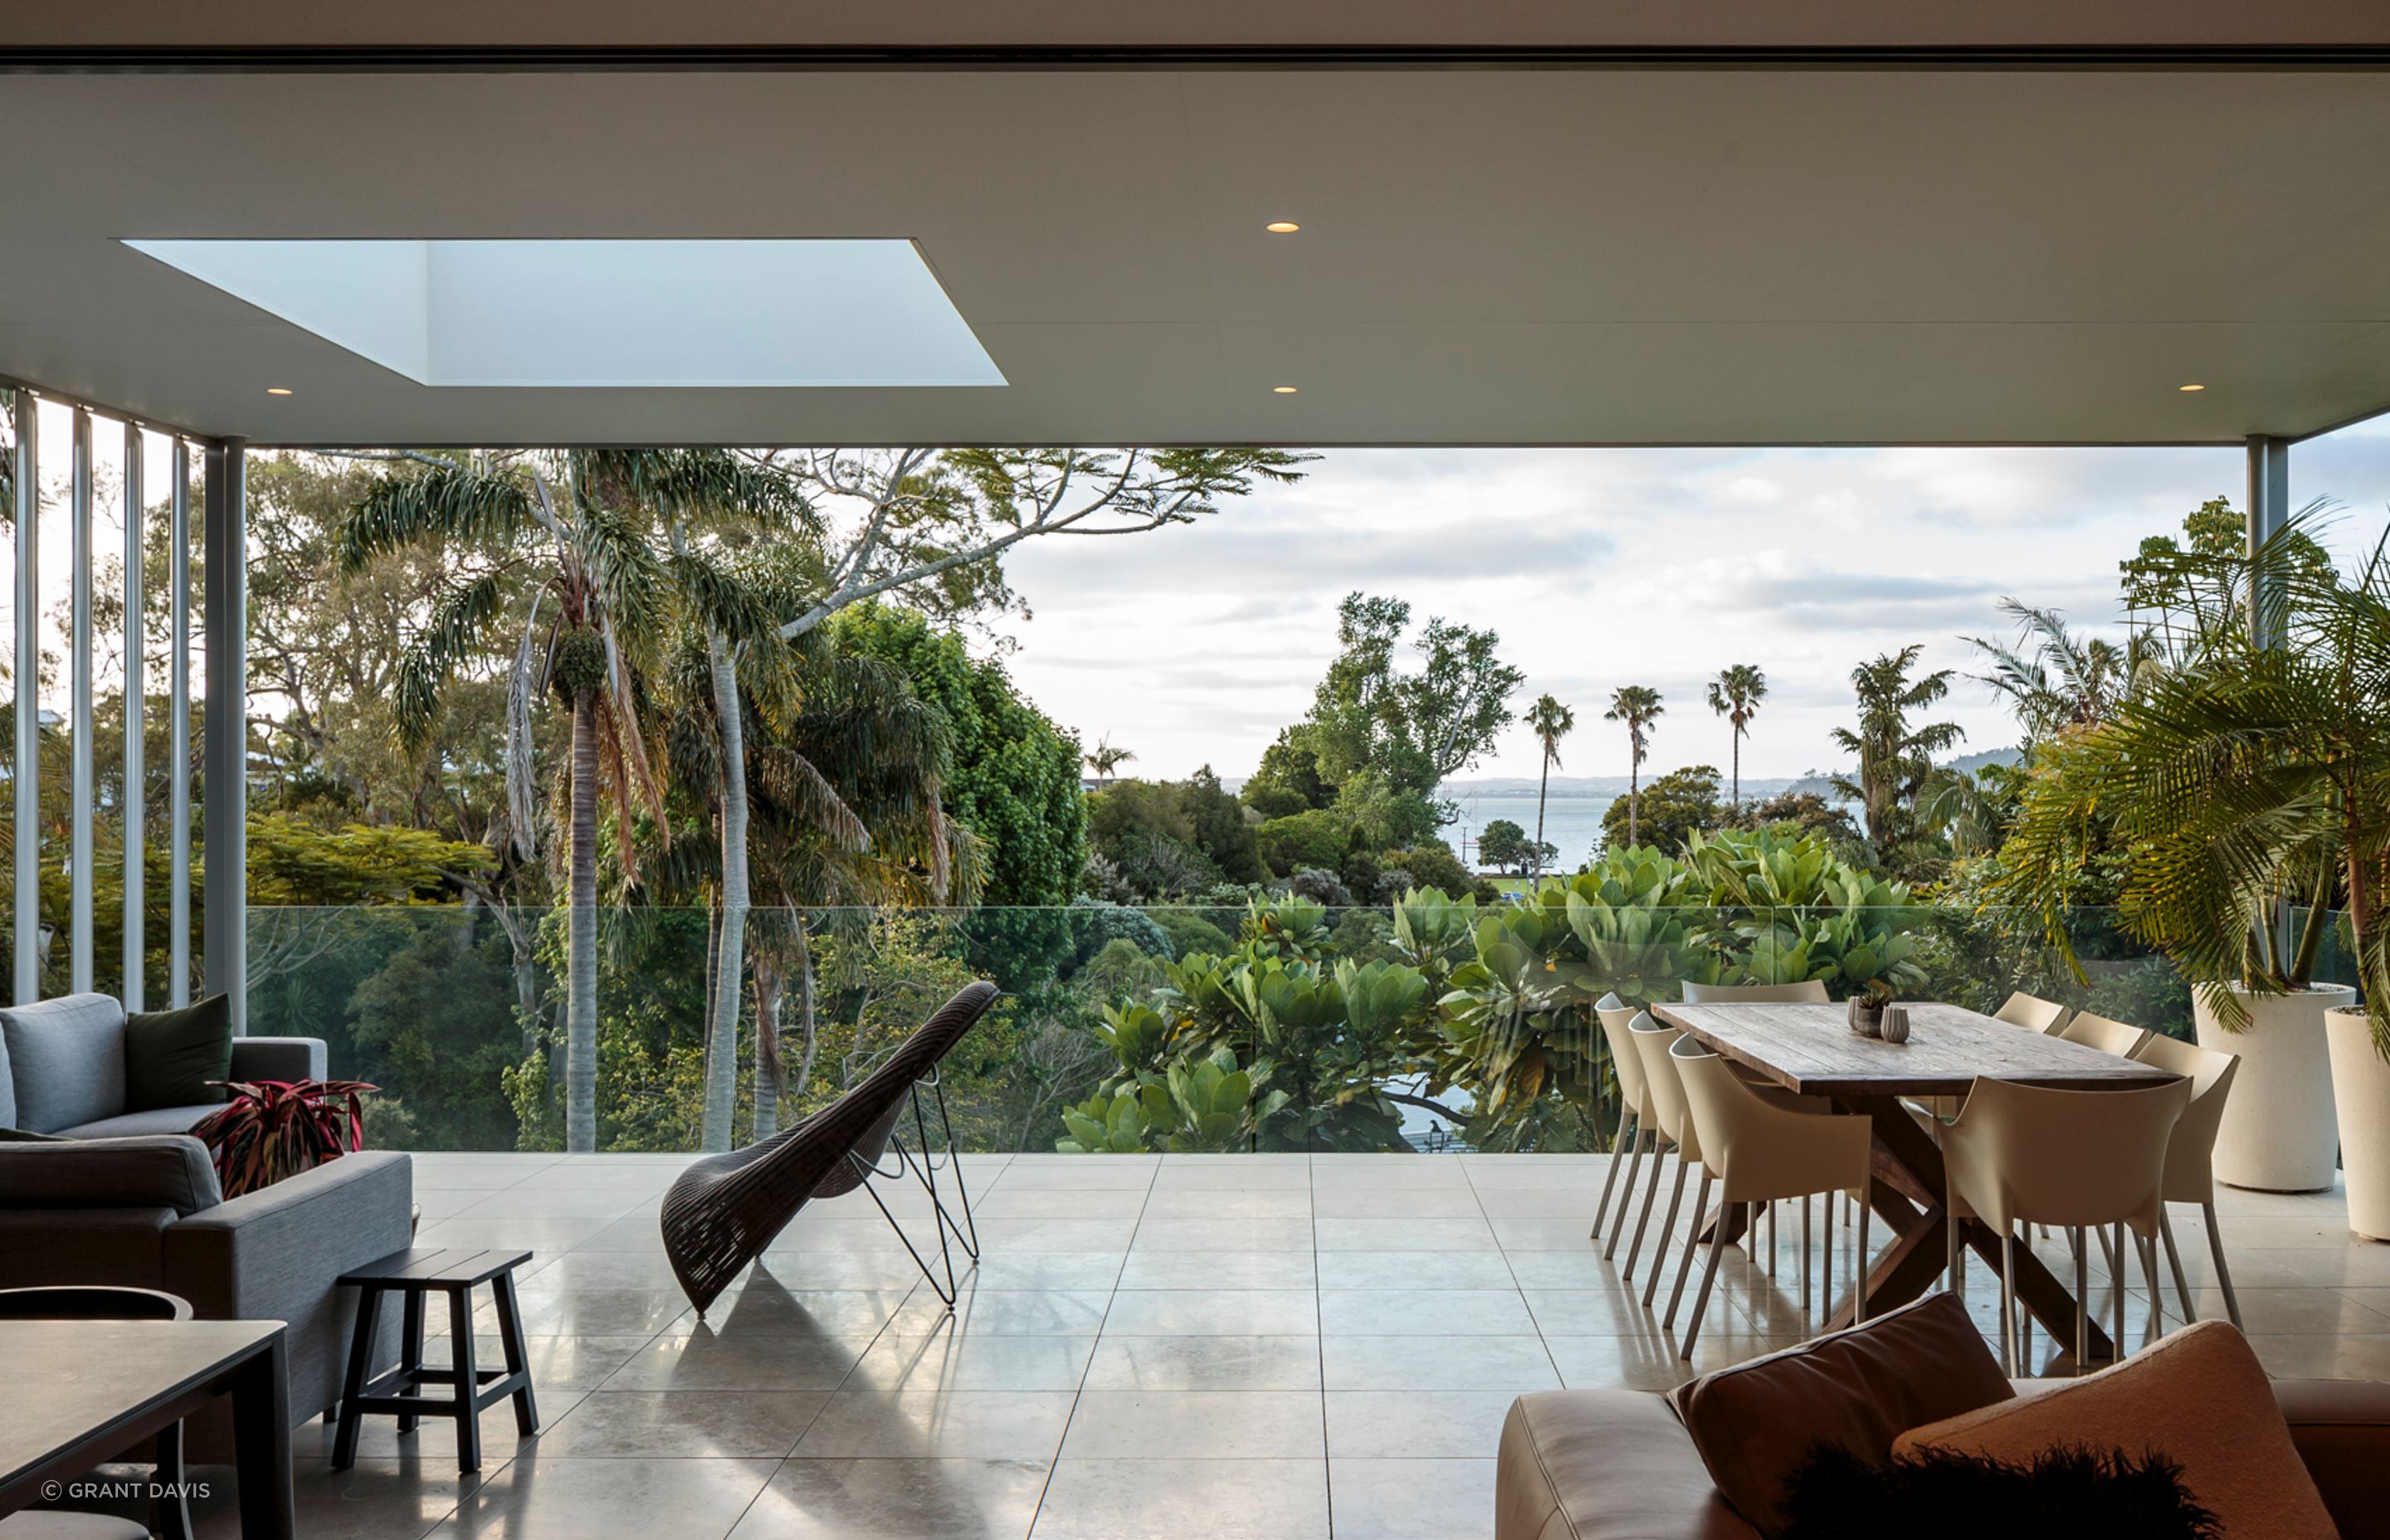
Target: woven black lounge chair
<point>724,1210</point>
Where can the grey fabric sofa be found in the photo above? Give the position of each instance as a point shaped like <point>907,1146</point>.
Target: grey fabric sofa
<point>62,1070</point>
<point>147,1212</point>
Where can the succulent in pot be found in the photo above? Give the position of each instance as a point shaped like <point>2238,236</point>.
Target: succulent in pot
<point>1867,1007</point>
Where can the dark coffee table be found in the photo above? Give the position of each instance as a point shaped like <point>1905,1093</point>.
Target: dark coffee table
<point>81,1393</point>
<point>412,1273</point>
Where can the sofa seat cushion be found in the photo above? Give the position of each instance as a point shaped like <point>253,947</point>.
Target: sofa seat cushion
<point>125,1125</point>
<point>155,1171</point>
<point>66,1059</point>
<point>1604,1465</point>
<point>2342,1428</point>
<point>177,1057</point>
<point>2199,1397</point>
<point>1859,1389</point>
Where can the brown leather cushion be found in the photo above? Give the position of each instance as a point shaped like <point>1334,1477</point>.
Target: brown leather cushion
<point>1604,1465</point>
<point>2199,1397</point>
<point>1756,1423</point>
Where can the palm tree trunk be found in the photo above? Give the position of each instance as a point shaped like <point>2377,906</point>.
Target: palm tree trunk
<point>722,1033</point>
<point>1543,790</point>
<point>1634,798</point>
<point>580,994</point>
<point>771,1076</point>
<point>1734,797</point>
<point>808,1031</point>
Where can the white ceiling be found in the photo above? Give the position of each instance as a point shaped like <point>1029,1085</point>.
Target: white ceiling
<point>1488,257</point>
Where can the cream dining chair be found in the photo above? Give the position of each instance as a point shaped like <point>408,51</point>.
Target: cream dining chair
<point>2027,1154</point>
<point>1634,1113</point>
<point>2031,1012</point>
<point>2105,1033</point>
<point>1761,1152</point>
<point>2190,1154</point>
<point>1650,1042</point>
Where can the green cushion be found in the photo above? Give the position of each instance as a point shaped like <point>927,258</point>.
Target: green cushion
<point>170,1056</point>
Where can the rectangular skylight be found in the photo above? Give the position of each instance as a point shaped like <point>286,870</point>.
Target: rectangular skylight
<point>610,313</point>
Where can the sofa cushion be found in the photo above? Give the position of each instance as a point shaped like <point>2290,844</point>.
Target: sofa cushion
<point>1604,1465</point>
<point>2342,1428</point>
<point>65,1059</point>
<point>1756,1423</point>
<point>2198,1397</point>
<point>127,1125</point>
<point>26,1136</point>
<point>171,1171</point>
<point>170,1057</point>
<point>8,1088</point>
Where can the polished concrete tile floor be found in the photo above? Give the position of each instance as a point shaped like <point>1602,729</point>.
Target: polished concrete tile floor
<point>1184,1348</point>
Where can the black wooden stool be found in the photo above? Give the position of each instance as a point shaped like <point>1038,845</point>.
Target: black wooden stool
<point>413,1273</point>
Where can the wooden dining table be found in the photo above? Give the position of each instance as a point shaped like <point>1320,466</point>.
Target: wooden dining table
<point>1811,1050</point>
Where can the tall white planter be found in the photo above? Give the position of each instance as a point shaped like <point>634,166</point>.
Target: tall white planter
<point>2280,1133</point>
<point>2360,1086</point>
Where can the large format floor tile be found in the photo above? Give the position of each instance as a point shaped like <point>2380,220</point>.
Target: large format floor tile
<point>897,1499</point>
<point>1179,1347</point>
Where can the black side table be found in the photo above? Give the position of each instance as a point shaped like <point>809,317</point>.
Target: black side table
<point>411,1275</point>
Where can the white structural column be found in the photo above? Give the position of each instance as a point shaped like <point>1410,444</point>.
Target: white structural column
<point>224,944</point>
<point>2269,509</point>
<point>178,735</point>
<point>81,777</point>
<point>133,798</point>
<point>28,771</point>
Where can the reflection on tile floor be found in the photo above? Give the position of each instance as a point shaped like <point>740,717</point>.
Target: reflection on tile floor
<point>1175,1347</point>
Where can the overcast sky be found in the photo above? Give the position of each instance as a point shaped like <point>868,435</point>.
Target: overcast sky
<point>1602,568</point>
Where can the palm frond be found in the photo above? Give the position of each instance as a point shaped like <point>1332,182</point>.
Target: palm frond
<point>455,504</point>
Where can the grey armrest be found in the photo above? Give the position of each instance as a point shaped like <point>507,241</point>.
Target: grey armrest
<point>278,1059</point>
<point>248,1253</point>
<point>150,1171</point>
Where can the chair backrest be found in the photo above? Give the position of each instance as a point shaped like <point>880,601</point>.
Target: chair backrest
<point>2030,1154</point>
<point>2031,1012</point>
<point>1806,991</point>
<point>2190,1155</point>
<point>1759,1148</point>
<point>1652,1041</point>
<point>2105,1033</point>
<point>1616,1017</point>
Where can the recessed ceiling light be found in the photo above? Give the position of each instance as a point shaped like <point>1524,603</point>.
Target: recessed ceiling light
<point>1281,226</point>
<point>1281,389</point>
<point>277,391</point>
<point>2190,386</point>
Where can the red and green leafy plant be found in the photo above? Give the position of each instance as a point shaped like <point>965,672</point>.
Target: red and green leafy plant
<point>273,1129</point>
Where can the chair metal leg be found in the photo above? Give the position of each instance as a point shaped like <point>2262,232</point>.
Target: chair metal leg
<point>1701,1302</point>
<point>1627,1135</point>
<point>1667,1232</point>
<point>1807,1244</point>
<point>2148,1247</point>
<point>2008,1302</point>
<point>1826,1263</point>
<point>1771,1239</point>
<point>2174,1261</point>
<point>2082,1303</point>
<point>1859,1273</point>
<point>1626,1198</point>
<point>2116,1288</point>
<point>1644,1219</point>
<point>2223,1272</point>
<point>1692,1244</point>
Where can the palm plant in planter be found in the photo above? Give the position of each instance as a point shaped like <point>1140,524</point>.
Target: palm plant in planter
<point>2247,777</point>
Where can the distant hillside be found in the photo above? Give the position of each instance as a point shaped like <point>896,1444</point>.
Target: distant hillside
<point>1604,787</point>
